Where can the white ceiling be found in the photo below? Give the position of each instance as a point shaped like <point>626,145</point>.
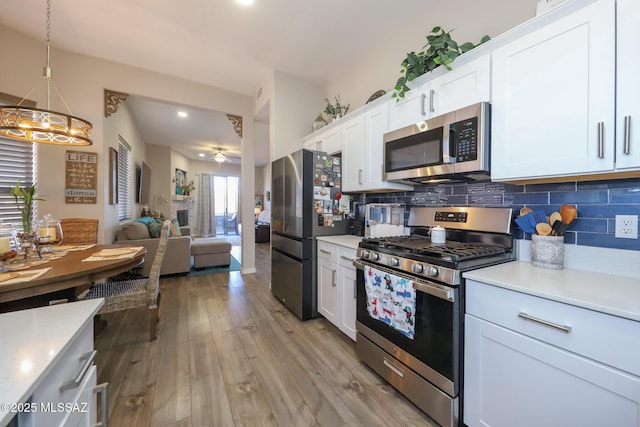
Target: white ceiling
<point>215,42</point>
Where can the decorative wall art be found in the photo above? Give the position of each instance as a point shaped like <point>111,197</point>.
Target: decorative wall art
<point>81,183</point>
<point>180,180</point>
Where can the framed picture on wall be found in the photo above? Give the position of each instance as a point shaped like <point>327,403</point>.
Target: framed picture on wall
<point>180,180</point>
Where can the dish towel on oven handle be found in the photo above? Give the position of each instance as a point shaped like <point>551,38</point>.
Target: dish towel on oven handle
<point>391,299</point>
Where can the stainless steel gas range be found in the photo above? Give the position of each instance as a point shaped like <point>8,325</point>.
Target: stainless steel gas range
<point>410,301</point>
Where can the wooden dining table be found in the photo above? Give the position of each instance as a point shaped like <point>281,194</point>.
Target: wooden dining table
<point>70,272</point>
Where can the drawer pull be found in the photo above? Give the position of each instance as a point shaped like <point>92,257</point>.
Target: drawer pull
<point>324,251</point>
<point>399,372</point>
<point>334,282</point>
<point>346,258</point>
<point>88,358</point>
<point>104,404</point>
<point>563,328</point>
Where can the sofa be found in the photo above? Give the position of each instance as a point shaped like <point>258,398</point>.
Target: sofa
<point>177,258</point>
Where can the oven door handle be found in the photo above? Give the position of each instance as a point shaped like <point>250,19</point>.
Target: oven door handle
<point>442,292</point>
<point>433,289</point>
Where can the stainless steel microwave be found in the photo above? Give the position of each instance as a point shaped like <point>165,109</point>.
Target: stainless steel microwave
<point>450,147</point>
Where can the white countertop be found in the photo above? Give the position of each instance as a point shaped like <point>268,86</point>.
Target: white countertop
<point>32,341</point>
<point>347,240</point>
<point>603,292</point>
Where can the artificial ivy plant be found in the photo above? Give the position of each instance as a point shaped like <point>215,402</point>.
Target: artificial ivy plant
<point>440,49</point>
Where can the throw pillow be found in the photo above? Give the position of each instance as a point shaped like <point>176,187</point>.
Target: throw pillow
<point>155,228</point>
<point>135,230</point>
<point>175,228</point>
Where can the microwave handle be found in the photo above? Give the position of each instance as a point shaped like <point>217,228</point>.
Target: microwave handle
<point>453,155</point>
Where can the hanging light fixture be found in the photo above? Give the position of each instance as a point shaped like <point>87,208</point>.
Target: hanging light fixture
<point>219,156</point>
<point>45,126</point>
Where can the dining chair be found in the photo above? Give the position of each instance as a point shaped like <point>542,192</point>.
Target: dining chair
<point>79,231</point>
<point>126,294</point>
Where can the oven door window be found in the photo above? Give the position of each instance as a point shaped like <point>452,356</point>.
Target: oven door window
<point>420,150</point>
<point>436,333</point>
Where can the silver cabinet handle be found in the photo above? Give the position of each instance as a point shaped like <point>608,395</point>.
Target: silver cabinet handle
<point>355,289</point>
<point>324,251</point>
<point>88,358</point>
<point>334,282</point>
<point>346,258</point>
<point>422,98</point>
<point>104,404</point>
<point>432,94</point>
<point>360,176</point>
<point>601,140</point>
<point>627,134</point>
<point>563,328</point>
<point>399,372</point>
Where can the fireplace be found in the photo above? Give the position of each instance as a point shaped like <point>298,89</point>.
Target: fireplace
<point>183,217</point>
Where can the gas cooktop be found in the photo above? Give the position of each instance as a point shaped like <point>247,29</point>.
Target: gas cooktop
<point>425,249</point>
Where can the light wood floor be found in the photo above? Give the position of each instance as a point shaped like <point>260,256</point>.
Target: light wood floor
<point>229,354</point>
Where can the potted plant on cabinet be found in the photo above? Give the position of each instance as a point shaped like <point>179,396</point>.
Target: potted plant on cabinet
<point>440,49</point>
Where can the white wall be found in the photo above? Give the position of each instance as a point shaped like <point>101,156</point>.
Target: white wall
<point>294,105</point>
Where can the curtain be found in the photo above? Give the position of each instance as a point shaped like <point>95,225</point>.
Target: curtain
<point>205,209</point>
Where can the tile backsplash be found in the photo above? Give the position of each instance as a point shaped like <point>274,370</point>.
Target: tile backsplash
<point>598,203</point>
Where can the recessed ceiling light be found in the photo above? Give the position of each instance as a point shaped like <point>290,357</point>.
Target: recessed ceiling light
<point>182,114</point>
<point>244,2</point>
<point>200,154</point>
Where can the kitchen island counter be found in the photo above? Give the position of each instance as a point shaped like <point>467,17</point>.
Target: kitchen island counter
<point>33,343</point>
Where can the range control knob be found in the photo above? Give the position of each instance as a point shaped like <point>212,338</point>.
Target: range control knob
<point>394,262</point>
<point>365,254</point>
<point>375,256</point>
<point>432,271</point>
<point>417,268</point>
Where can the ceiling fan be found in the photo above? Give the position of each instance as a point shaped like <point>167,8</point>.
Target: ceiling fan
<point>220,157</point>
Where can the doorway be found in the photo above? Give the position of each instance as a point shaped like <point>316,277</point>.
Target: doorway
<point>226,204</point>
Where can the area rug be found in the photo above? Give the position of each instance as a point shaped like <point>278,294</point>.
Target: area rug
<point>234,266</point>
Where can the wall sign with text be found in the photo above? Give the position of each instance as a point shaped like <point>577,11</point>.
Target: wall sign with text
<point>81,185</point>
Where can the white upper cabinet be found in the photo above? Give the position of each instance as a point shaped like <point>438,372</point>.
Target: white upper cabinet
<point>363,151</point>
<point>329,140</point>
<point>464,85</point>
<point>628,85</point>
<point>553,105</point>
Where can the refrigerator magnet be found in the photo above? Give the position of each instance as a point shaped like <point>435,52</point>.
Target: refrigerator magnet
<point>318,206</point>
<point>327,206</point>
<point>321,193</point>
<point>328,220</point>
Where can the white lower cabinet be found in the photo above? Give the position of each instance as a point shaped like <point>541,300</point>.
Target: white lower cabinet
<point>336,286</point>
<point>523,363</point>
<point>68,394</point>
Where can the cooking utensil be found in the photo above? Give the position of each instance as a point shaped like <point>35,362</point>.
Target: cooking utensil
<point>543,229</point>
<point>555,216</point>
<point>525,211</point>
<point>568,213</point>
<point>525,224</point>
<point>536,217</point>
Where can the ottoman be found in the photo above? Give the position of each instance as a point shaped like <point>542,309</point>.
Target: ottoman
<point>210,252</point>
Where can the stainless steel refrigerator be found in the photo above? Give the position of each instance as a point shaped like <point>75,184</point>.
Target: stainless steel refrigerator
<point>305,203</point>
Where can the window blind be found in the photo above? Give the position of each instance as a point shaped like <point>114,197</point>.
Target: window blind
<point>17,163</point>
<point>125,180</point>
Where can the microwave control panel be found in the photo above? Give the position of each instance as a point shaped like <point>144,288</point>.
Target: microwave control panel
<point>464,138</point>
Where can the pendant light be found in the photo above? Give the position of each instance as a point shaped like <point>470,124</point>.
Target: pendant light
<point>44,126</point>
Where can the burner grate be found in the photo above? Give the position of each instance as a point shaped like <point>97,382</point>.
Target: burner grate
<point>449,251</point>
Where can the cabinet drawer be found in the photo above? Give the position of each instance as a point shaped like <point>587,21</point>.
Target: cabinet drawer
<point>51,391</point>
<point>328,251</point>
<point>609,339</point>
<point>346,256</point>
